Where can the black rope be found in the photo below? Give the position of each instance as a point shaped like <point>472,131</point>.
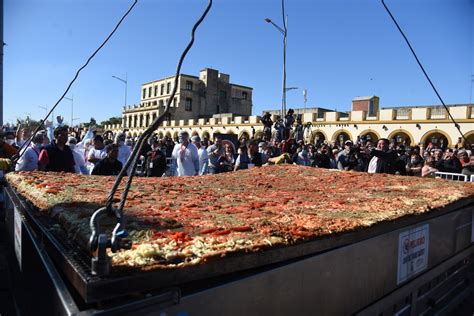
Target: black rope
<point>133,159</point>
<point>426,75</point>
<point>74,79</point>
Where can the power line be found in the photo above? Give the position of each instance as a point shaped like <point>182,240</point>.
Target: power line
<point>426,75</point>
<point>75,77</point>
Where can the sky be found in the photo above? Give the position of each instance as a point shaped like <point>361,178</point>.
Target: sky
<point>336,49</point>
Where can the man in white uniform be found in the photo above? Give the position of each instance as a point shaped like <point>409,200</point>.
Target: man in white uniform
<point>80,163</point>
<point>186,156</point>
<point>202,153</point>
<point>29,158</point>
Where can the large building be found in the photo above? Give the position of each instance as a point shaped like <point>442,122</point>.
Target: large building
<point>196,97</point>
<point>416,125</point>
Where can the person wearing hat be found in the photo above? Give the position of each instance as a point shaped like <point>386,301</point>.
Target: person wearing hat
<point>28,160</point>
<point>80,163</point>
<point>186,156</point>
<point>123,150</point>
<point>202,153</point>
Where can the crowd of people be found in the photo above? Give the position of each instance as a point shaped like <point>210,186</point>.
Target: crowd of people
<point>61,150</point>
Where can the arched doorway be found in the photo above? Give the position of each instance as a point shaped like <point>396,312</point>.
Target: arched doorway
<point>175,136</point>
<point>258,135</point>
<point>369,135</point>
<point>205,135</point>
<point>168,134</point>
<point>317,137</point>
<point>438,138</point>
<point>160,135</point>
<point>194,133</point>
<point>401,137</point>
<point>470,138</point>
<point>341,137</point>
<point>245,135</point>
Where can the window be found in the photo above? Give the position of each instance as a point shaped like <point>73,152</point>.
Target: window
<point>144,93</point>
<point>149,92</point>
<point>175,104</point>
<point>162,88</point>
<point>188,106</point>
<point>223,94</point>
<point>168,87</point>
<point>161,103</point>
<point>244,95</point>
<point>189,85</point>
<point>156,91</point>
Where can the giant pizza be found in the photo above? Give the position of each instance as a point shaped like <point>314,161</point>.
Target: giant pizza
<point>179,221</point>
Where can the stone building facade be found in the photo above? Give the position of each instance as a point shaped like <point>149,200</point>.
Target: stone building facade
<point>410,125</point>
<point>196,97</point>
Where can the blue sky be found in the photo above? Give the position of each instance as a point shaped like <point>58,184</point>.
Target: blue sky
<point>337,49</point>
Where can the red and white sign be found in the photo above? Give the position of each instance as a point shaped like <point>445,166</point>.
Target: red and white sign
<point>413,248</point>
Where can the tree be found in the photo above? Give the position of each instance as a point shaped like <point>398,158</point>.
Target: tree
<point>91,123</point>
<point>112,120</point>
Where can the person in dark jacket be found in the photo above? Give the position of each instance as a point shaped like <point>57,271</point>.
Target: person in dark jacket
<point>57,156</point>
<point>109,166</point>
<point>448,163</point>
<point>156,160</point>
<point>383,160</point>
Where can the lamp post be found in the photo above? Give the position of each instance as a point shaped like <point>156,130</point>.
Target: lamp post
<point>305,96</point>
<point>284,32</point>
<point>72,108</point>
<point>126,83</point>
<point>44,108</point>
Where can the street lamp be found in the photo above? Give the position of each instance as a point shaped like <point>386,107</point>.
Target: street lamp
<point>284,32</point>
<point>44,108</point>
<point>126,83</point>
<point>72,108</point>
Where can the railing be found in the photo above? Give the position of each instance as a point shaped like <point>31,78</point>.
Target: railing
<point>437,113</point>
<point>452,176</point>
<point>402,114</point>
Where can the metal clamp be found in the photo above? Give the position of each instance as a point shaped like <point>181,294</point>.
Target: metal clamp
<point>98,242</point>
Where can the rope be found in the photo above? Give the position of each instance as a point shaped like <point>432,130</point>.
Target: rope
<point>73,80</point>
<point>426,75</point>
<point>133,159</point>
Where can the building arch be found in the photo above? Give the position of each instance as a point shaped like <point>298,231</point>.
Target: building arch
<point>205,135</point>
<point>215,133</point>
<point>194,133</point>
<point>168,134</point>
<point>470,138</point>
<point>436,136</point>
<point>370,134</point>
<point>175,136</point>
<point>245,134</point>
<point>160,135</point>
<point>402,136</point>
<point>231,132</point>
<point>258,134</point>
<point>345,134</point>
<point>318,136</point>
